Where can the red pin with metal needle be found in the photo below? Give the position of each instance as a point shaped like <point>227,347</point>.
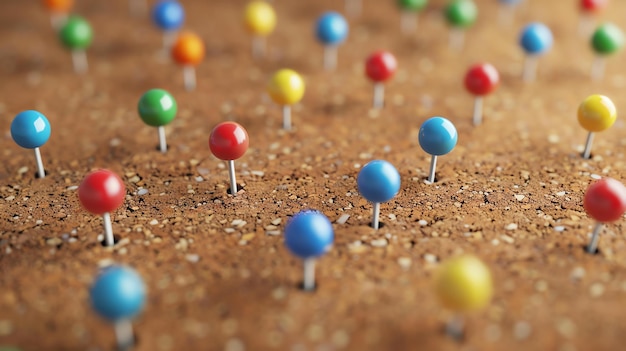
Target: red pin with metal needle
<point>480,80</point>
<point>228,142</point>
<point>605,201</point>
<point>380,67</point>
<point>101,192</point>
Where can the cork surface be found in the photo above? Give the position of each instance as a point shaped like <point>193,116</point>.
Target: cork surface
<point>217,272</point>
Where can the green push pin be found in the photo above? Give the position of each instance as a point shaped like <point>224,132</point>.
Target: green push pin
<point>157,108</point>
<point>409,9</point>
<point>76,35</point>
<point>606,40</point>
<point>460,15</point>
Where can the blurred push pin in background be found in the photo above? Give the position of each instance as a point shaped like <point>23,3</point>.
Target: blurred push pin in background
<point>331,30</point>
<point>378,181</point>
<point>380,67</point>
<point>460,14</point>
<point>76,35</point>
<point>596,113</point>
<point>507,11</point>
<point>188,51</point>
<point>606,40</point>
<point>59,10</point>
<point>437,136</point>
<point>309,235</point>
<point>589,8</point>
<point>118,295</point>
<point>409,10</point>
<point>536,39</point>
<point>228,142</point>
<point>605,201</point>
<point>286,88</point>
<point>102,192</point>
<point>260,20</point>
<point>157,108</point>
<point>30,130</point>
<point>481,79</point>
<point>168,16</point>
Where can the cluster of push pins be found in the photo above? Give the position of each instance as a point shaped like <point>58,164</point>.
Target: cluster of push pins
<point>463,283</point>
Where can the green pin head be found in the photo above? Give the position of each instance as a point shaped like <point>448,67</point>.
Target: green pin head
<point>461,13</point>
<point>157,107</point>
<point>76,34</point>
<point>412,5</point>
<point>607,39</point>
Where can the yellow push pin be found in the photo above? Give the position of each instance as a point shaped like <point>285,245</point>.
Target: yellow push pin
<point>462,284</point>
<point>596,113</point>
<point>286,88</point>
<point>260,20</point>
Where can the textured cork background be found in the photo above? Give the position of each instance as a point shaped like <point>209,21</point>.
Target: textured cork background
<point>218,275</point>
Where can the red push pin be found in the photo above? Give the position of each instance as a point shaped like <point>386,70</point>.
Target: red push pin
<point>605,201</point>
<point>588,8</point>
<point>480,80</point>
<point>100,193</point>
<point>379,67</point>
<point>228,142</point>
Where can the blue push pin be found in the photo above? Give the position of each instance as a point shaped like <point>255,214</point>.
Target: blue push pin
<point>331,30</point>
<point>437,137</point>
<point>118,295</point>
<point>169,16</point>
<point>378,181</point>
<point>536,39</point>
<point>309,235</point>
<point>31,129</point>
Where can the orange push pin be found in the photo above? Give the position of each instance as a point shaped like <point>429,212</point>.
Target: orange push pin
<point>188,51</point>
<point>59,10</point>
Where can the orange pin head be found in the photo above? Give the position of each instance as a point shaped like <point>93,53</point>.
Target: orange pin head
<point>188,49</point>
<point>58,6</point>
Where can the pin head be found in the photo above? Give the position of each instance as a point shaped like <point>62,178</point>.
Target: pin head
<point>605,200</point>
<point>168,15</point>
<point>412,5</point>
<point>101,191</point>
<point>30,129</point>
<point>607,39</point>
<point>59,6</point>
<point>228,141</point>
<point>481,79</point>
<point>437,136</point>
<point>593,5</point>
<point>461,13</point>
<point>286,87</point>
<point>378,181</point>
<point>536,38</point>
<point>380,66</point>
<point>463,283</point>
<point>188,49</point>
<point>309,234</point>
<point>157,107</point>
<point>118,293</point>
<point>259,18</point>
<point>597,113</point>
<point>331,28</point>
<point>76,33</point>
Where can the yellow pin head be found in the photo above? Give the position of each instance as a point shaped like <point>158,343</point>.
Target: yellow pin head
<point>597,113</point>
<point>260,18</point>
<point>286,87</point>
<point>463,283</point>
